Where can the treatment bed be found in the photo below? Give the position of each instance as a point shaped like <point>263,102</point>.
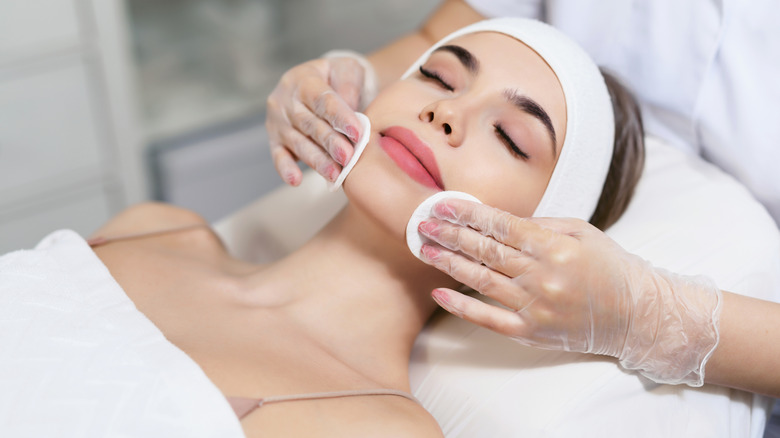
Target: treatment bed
<point>77,359</point>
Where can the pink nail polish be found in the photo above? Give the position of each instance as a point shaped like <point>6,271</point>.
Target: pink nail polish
<point>441,297</point>
<point>348,156</point>
<point>429,252</point>
<point>444,211</point>
<point>341,156</point>
<point>333,173</point>
<point>429,228</point>
<point>352,133</point>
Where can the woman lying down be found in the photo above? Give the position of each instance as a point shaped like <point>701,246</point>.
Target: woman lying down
<point>509,111</point>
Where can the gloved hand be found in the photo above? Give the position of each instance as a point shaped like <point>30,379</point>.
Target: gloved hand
<point>566,285</point>
<point>310,115</point>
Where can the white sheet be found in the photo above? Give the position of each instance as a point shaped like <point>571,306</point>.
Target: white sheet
<point>77,359</point>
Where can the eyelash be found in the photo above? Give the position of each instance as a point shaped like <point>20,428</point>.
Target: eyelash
<point>504,137</point>
<point>436,77</point>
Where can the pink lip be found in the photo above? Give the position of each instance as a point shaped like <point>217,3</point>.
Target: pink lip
<point>412,155</point>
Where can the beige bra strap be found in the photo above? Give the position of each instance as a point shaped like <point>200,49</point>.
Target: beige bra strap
<point>100,240</point>
<point>243,406</point>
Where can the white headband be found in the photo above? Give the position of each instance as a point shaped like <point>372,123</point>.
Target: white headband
<point>578,178</point>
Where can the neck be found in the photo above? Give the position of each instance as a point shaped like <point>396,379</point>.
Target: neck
<point>361,292</point>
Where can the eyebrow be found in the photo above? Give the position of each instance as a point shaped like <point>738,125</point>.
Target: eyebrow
<point>523,102</point>
<point>464,56</point>
<point>530,106</point>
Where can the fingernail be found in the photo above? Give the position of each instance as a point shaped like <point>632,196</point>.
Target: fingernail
<point>290,178</point>
<point>348,156</point>
<point>333,173</point>
<point>444,211</point>
<point>429,252</point>
<point>441,297</point>
<point>352,133</point>
<point>428,228</point>
<point>341,156</point>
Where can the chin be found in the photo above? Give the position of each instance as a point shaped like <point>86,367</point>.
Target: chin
<point>386,199</point>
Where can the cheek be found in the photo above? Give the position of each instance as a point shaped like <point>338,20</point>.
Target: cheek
<point>375,188</point>
<point>401,95</point>
<point>512,187</point>
<point>520,200</point>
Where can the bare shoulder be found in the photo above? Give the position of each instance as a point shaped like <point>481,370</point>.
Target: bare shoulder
<point>148,216</point>
<point>353,417</point>
<point>161,225</point>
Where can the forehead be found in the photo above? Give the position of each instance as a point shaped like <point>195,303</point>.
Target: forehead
<point>504,49</point>
<point>508,63</point>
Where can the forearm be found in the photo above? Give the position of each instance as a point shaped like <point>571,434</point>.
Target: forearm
<point>391,61</point>
<point>748,353</point>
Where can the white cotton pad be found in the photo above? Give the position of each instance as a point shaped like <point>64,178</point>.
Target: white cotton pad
<point>415,240</point>
<point>359,147</point>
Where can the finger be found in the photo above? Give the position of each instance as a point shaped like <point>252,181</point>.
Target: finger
<point>326,104</point>
<point>311,154</point>
<point>506,228</point>
<point>502,321</point>
<point>336,145</point>
<point>495,255</point>
<point>476,276</point>
<point>285,164</point>
<point>568,226</point>
<point>346,77</point>
<point>284,161</point>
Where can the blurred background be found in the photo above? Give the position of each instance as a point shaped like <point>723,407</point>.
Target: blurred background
<point>104,103</point>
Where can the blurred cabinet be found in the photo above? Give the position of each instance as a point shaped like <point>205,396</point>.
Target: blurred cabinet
<point>70,154</point>
<point>206,67</point>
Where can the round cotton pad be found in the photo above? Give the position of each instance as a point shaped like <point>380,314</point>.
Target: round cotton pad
<point>414,240</point>
<point>359,147</point>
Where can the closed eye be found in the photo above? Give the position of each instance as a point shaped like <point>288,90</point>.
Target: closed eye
<point>436,77</point>
<point>504,137</point>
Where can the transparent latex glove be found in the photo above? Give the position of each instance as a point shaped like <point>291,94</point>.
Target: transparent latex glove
<point>310,116</point>
<point>566,285</point>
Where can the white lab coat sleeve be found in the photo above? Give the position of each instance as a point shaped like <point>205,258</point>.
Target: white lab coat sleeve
<point>509,8</point>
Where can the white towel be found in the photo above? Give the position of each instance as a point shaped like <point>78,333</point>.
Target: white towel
<point>77,359</point>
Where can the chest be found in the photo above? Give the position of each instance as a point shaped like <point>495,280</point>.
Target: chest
<point>244,340</point>
<point>249,346</point>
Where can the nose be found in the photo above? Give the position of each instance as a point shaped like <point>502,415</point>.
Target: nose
<point>444,116</point>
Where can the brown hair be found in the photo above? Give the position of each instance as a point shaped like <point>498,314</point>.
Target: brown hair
<point>628,156</point>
